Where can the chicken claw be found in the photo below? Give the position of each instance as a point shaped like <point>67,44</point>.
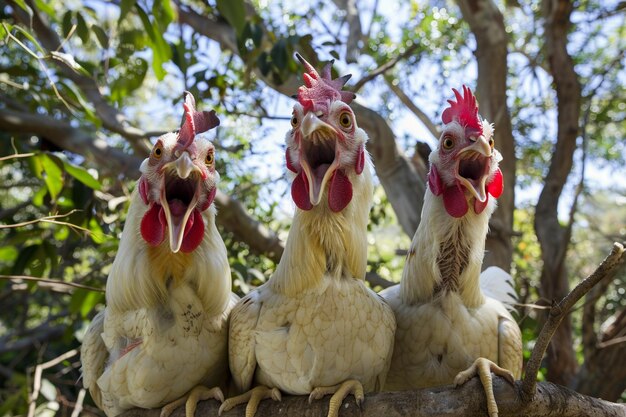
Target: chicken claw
<point>483,368</point>
<point>340,392</point>
<point>253,398</point>
<point>191,400</point>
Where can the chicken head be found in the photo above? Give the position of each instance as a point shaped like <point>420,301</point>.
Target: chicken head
<point>178,182</point>
<point>464,167</point>
<point>325,147</point>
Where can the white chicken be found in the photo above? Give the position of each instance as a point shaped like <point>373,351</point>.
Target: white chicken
<point>315,328</point>
<point>163,334</point>
<point>446,324</point>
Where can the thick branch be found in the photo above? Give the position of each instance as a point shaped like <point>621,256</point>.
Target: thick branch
<point>558,312</point>
<point>554,238</point>
<point>111,118</point>
<point>406,100</point>
<point>447,401</point>
<point>355,33</point>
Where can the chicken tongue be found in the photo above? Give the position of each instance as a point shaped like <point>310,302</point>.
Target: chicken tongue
<point>177,215</point>
<point>317,179</point>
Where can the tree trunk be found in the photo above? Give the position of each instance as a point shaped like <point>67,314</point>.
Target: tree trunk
<point>603,373</point>
<point>554,238</point>
<point>487,24</point>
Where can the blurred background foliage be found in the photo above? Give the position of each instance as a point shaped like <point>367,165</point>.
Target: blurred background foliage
<point>66,185</point>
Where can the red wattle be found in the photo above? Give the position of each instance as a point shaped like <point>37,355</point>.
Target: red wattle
<point>478,206</point>
<point>360,161</point>
<point>434,181</point>
<point>143,190</point>
<point>153,225</point>
<point>300,192</point>
<point>209,199</point>
<point>454,201</point>
<point>290,166</point>
<point>194,232</point>
<point>339,191</point>
<point>496,185</point>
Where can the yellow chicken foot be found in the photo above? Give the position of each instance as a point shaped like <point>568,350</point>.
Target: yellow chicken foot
<point>483,368</point>
<point>191,400</point>
<point>253,398</point>
<point>340,392</point>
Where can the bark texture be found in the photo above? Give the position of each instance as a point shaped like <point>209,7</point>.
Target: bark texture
<point>554,238</point>
<point>446,401</point>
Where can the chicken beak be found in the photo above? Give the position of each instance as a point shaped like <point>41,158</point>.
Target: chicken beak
<point>472,167</point>
<point>318,155</point>
<point>175,217</point>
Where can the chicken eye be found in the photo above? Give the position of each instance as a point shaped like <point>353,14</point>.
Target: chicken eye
<point>491,142</point>
<point>210,158</point>
<point>294,121</point>
<point>448,143</point>
<point>345,120</point>
<point>158,151</point>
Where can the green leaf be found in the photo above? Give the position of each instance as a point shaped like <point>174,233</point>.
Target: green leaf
<point>234,12</point>
<point>279,54</point>
<point>103,38</point>
<point>160,49</point>
<point>82,29</point>
<point>125,7</point>
<point>66,24</point>
<point>76,97</point>
<point>80,173</point>
<point>53,174</point>
<point>45,7</point>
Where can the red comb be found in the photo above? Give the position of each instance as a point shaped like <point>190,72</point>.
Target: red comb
<point>195,121</point>
<point>464,110</point>
<point>318,91</point>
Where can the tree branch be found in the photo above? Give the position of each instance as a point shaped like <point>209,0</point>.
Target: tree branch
<point>559,311</point>
<point>111,118</point>
<point>406,100</point>
<point>385,67</point>
<point>446,401</point>
<point>355,33</point>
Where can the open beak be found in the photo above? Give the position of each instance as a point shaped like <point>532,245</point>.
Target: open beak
<point>472,167</point>
<point>318,153</point>
<point>179,197</point>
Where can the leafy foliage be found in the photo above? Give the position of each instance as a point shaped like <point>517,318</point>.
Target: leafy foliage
<point>62,210</point>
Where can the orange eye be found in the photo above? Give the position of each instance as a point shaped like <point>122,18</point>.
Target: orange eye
<point>158,151</point>
<point>210,158</point>
<point>345,120</point>
<point>491,142</point>
<point>448,143</point>
<point>294,121</point>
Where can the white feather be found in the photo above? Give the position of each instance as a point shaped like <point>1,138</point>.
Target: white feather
<point>498,284</point>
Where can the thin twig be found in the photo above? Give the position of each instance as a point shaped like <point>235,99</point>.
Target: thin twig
<point>385,67</point>
<point>37,378</point>
<point>559,310</point>
<point>51,281</point>
<point>78,406</point>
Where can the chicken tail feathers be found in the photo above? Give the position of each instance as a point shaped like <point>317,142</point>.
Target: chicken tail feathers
<point>498,284</point>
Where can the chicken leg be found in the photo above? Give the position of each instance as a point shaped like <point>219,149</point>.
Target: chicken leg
<point>340,392</point>
<point>253,398</point>
<point>191,400</point>
<point>483,368</point>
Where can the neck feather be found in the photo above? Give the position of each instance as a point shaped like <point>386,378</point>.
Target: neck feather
<point>322,243</point>
<point>446,254</point>
<point>142,276</point>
